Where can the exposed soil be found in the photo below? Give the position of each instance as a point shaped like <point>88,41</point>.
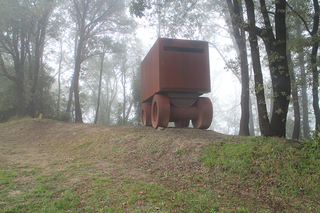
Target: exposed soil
<point>169,157</point>
<point>141,152</point>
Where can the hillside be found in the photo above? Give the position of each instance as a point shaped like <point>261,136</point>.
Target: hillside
<point>92,168</point>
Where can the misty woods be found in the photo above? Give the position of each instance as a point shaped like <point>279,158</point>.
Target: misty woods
<point>80,60</point>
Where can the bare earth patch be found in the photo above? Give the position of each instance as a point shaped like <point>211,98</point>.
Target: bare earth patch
<point>80,152</point>
<point>140,152</point>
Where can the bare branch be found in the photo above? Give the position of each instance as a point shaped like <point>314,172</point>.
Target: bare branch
<point>302,19</point>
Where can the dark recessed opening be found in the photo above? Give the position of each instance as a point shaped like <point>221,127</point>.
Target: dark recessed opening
<point>183,49</point>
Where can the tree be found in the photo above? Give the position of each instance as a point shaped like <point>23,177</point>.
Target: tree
<point>296,108</point>
<point>22,39</point>
<point>313,60</point>
<point>265,128</point>
<point>94,18</point>
<point>275,45</point>
<point>314,54</point>
<point>171,18</point>
<point>102,56</point>
<point>236,14</point>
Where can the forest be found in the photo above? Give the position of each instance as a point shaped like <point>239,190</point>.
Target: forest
<point>79,60</point>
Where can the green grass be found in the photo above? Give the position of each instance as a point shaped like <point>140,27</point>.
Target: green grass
<point>241,174</point>
<point>269,163</point>
<point>7,175</point>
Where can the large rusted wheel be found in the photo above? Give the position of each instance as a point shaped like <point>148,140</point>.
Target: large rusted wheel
<point>182,123</point>
<point>145,114</point>
<point>205,114</point>
<point>160,111</point>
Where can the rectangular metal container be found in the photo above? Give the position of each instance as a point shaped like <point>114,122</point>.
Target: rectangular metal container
<point>174,65</point>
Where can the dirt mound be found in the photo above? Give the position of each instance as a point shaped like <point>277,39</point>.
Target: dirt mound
<point>139,151</point>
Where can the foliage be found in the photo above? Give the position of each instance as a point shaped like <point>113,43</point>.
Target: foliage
<point>138,7</point>
<point>8,101</point>
<point>22,40</point>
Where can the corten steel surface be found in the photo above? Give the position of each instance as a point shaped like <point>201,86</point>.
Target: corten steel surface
<point>176,68</point>
<point>173,76</point>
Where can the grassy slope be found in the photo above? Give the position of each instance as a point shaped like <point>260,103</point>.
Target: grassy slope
<point>48,166</point>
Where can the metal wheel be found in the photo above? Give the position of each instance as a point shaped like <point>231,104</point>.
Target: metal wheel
<point>145,114</point>
<point>182,123</point>
<point>205,114</point>
<point>160,111</point>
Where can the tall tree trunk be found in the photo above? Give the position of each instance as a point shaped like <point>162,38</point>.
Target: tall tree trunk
<point>305,110</point>
<point>315,74</point>
<point>99,90</point>
<point>59,76</point>
<point>76,77</point>
<point>76,38</point>
<point>70,96</point>
<point>296,129</point>
<point>124,96</point>
<point>264,124</point>
<point>279,71</point>
<point>280,76</point>
<point>251,123</point>
<point>236,14</point>
<point>39,46</point>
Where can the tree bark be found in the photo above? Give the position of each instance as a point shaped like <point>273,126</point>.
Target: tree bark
<point>315,74</point>
<point>59,77</point>
<point>265,128</point>
<point>76,77</point>
<point>305,110</point>
<point>296,108</point>
<point>280,75</point>
<point>99,90</point>
<point>279,71</point>
<point>235,10</point>
<point>124,95</point>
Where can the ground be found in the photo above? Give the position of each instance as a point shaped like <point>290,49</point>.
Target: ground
<point>80,159</point>
<point>40,143</point>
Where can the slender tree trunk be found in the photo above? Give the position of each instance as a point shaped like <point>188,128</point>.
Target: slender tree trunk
<point>108,111</point>
<point>59,76</point>
<point>235,10</point>
<point>124,96</point>
<point>99,90</point>
<point>76,77</point>
<point>315,73</point>
<point>34,80</point>
<point>305,110</point>
<point>296,129</point>
<point>251,123</point>
<point>70,96</point>
<point>72,80</point>
<point>39,46</point>
<point>265,128</point>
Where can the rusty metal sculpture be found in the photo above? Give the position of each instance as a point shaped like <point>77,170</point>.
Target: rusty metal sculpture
<point>173,76</point>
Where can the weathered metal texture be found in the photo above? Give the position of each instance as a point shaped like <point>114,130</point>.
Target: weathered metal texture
<point>173,76</point>
<point>176,66</point>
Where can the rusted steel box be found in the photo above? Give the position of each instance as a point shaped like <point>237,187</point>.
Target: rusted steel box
<point>174,65</point>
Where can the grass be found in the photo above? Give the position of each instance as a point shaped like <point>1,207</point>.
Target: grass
<point>239,174</point>
<point>270,165</point>
<point>97,194</point>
